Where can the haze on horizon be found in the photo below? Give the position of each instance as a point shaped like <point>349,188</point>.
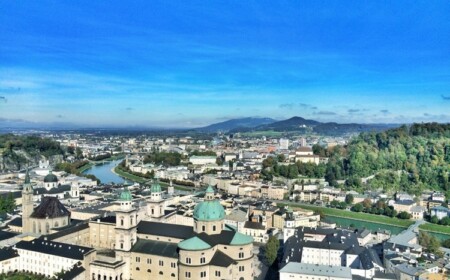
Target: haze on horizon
<point>187,64</point>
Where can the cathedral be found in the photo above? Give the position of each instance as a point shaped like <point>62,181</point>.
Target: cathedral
<point>134,244</point>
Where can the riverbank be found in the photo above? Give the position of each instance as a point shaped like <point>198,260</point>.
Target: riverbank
<point>436,228</point>
<point>92,163</point>
<point>138,179</point>
<point>354,215</point>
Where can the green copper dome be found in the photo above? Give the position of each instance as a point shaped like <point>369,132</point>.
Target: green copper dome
<point>210,189</point>
<point>209,210</point>
<point>193,244</point>
<point>126,195</point>
<point>156,188</point>
<point>241,239</point>
<point>50,178</point>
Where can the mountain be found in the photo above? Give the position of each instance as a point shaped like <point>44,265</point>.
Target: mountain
<point>294,123</point>
<point>243,123</point>
<point>305,125</point>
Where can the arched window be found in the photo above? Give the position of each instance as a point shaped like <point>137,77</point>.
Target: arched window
<point>203,228</point>
<point>161,273</point>
<point>47,227</point>
<point>56,224</point>
<point>173,274</point>
<point>121,221</point>
<point>149,270</point>
<point>214,228</point>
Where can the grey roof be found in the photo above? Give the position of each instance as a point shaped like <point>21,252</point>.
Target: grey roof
<point>317,270</point>
<point>163,229</point>
<point>254,225</point>
<point>55,248</point>
<point>237,215</point>
<point>159,248</point>
<point>7,253</point>
<point>7,235</point>
<point>50,207</point>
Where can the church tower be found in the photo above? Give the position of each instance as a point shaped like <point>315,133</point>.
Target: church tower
<point>27,204</point>
<point>126,228</point>
<point>156,202</point>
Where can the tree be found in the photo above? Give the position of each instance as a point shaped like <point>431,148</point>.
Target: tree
<point>349,198</point>
<point>434,220</point>
<point>429,243</point>
<point>404,215</point>
<point>367,203</point>
<point>358,207</point>
<point>271,250</point>
<point>446,243</point>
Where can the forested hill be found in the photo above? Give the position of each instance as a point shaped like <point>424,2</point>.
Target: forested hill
<point>18,151</point>
<point>408,158</point>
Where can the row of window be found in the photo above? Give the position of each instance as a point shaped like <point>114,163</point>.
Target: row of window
<point>161,263</point>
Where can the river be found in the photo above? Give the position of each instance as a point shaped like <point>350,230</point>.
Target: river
<point>104,173</point>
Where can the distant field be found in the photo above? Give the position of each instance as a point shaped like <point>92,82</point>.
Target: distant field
<point>436,228</point>
<point>270,133</point>
<point>355,215</point>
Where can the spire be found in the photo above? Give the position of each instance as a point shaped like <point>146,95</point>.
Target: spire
<point>27,177</point>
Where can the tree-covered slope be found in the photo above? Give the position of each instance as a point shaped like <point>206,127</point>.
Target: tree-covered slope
<point>407,158</point>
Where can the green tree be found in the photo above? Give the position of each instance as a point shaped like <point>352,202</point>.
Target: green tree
<point>404,215</point>
<point>446,243</point>
<point>358,207</point>
<point>271,250</point>
<point>429,243</point>
<point>349,199</point>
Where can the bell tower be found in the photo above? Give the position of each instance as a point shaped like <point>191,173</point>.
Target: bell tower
<point>126,230</point>
<point>27,204</point>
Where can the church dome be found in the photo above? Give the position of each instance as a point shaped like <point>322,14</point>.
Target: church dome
<point>50,178</point>
<point>126,195</point>
<point>156,188</point>
<point>210,209</point>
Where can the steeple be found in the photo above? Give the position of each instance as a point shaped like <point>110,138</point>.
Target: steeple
<point>27,203</point>
<point>27,184</point>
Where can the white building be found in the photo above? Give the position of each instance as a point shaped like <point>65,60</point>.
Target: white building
<point>302,271</point>
<point>284,144</point>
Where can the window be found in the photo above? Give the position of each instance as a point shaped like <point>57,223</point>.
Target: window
<point>121,222</point>
<point>121,245</point>
<point>149,270</point>
<point>149,261</point>
<point>161,273</point>
<point>217,273</point>
<point>173,265</point>
<point>138,259</point>
<point>202,260</point>
<point>203,274</point>
<point>241,255</point>
<point>241,268</point>
<point>137,268</point>
<point>187,274</point>
<point>188,260</point>
<point>173,274</point>
<point>161,263</point>
<point>214,228</point>
<point>203,228</point>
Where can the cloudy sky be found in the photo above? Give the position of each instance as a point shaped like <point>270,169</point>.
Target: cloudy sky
<point>190,63</point>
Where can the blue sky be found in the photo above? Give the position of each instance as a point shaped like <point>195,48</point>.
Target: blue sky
<point>190,63</point>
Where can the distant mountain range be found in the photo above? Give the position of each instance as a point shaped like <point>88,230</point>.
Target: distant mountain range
<point>243,123</point>
<point>292,124</point>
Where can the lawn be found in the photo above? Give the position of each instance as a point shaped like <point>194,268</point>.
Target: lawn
<point>355,215</point>
<point>435,228</point>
